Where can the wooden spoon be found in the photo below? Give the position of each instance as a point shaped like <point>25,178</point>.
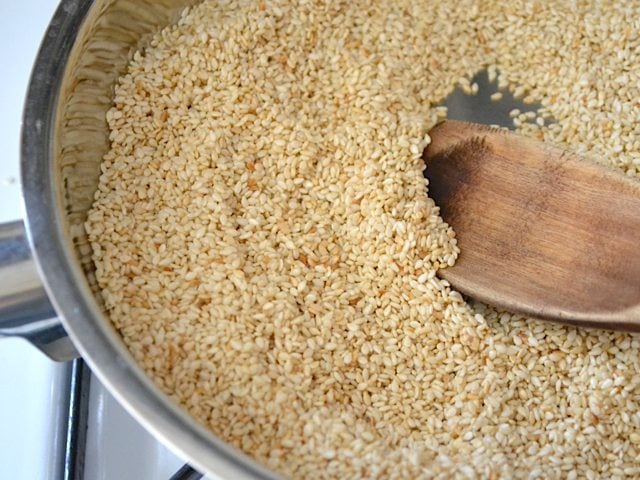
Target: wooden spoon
<point>541,231</point>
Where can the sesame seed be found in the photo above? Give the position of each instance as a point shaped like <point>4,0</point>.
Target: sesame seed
<point>267,249</point>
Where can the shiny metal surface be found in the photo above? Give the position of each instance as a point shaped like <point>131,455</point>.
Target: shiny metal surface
<point>480,108</point>
<point>64,137</point>
<point>25,310</point>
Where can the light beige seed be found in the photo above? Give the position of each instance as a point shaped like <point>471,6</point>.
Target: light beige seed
<point>270,256</point>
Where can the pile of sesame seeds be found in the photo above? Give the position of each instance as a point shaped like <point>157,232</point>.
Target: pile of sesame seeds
<point>266,247</point>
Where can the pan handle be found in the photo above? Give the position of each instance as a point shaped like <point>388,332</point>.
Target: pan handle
<point>25,310</point>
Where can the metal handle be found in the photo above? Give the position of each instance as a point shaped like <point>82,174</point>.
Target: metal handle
<point>25,310</point>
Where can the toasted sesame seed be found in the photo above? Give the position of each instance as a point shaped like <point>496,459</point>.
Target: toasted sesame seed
<point>266,247</point>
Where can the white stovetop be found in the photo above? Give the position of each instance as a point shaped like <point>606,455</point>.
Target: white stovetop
<point>117,447</point>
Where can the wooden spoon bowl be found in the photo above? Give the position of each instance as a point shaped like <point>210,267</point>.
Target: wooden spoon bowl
<point>541,231</point>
